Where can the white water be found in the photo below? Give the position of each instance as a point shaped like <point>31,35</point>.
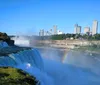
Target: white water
<point>29,61</point>
<point>3,44</point>
<point>21,41</point>
<point>50,72</point>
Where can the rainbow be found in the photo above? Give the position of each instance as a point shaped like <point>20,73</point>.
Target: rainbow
<point>64,58</point>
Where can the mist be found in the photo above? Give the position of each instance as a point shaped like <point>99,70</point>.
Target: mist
<point>78,68</point>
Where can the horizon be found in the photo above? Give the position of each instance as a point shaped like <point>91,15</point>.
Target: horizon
<point>28,17</point>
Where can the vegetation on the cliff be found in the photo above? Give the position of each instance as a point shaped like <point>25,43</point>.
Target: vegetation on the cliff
<point>13,76</point>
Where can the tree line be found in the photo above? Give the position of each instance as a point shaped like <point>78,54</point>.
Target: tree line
<point>71,36</point>
<point>65,37</point>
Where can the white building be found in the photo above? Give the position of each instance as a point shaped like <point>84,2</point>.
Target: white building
<point>87,30</point>
<point>41,33</point>
<point>77,29</point>
<point>94,27</point>
<point>55,29</point>
<point>59,32</point>
<point>51,32</point>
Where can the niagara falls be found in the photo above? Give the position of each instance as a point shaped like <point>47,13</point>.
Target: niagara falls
<point>52,66</point>
<point>49,42</point>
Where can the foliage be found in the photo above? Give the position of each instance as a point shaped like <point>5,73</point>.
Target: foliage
<point>58,37</point>
<point>13,76</point>
<point>75,36</point>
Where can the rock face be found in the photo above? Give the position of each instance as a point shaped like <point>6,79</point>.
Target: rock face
<point>6,38</point>
<point>13,76</point>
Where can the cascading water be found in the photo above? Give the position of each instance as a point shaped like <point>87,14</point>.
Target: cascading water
<point>27,56</point>
<point>28,60</point>
<point>51,72</point>
<point>3,44</point>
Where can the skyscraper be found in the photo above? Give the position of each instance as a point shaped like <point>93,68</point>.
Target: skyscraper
<point>94,27</point>
<point>42,32</point>
<point>51,32</point>
<point>77,29</point>
<point>55,29</point>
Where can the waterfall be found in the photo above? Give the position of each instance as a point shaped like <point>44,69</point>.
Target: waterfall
<point>28,56</point>
<point>49,72</point>
<point>3,44</point>
<point>30,61</point>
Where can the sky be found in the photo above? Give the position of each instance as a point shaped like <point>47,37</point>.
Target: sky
<point>19,17</point>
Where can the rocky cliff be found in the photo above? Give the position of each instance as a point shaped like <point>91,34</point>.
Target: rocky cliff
<point>6,38</point>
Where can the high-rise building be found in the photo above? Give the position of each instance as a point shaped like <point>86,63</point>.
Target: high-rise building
<point>87,30</point>
<point>55,29</point>
<point>94,27</point>
<point>42,32</point>
<point>77,29</point>
<point>51,32</point>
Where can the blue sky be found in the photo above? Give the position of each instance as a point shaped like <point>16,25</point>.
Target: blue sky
<point>29,16</point>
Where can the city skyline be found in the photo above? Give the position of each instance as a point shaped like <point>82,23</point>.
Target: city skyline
<point>77,30</point>
<point>91,30</point>
<point>29,16</point>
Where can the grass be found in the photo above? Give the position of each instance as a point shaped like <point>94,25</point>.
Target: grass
<point>13,76</point>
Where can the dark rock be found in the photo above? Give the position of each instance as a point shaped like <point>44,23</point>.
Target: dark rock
<point>6,38</point>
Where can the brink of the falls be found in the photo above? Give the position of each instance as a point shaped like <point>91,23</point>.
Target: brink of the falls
<point>27,59</point>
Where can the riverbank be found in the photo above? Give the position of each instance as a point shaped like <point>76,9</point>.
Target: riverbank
<point>63,44</point>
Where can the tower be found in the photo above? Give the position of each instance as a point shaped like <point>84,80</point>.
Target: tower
<point>94,27</point>
<point>77,29</point>
<point>42,32</point>
<point>55,29</point>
